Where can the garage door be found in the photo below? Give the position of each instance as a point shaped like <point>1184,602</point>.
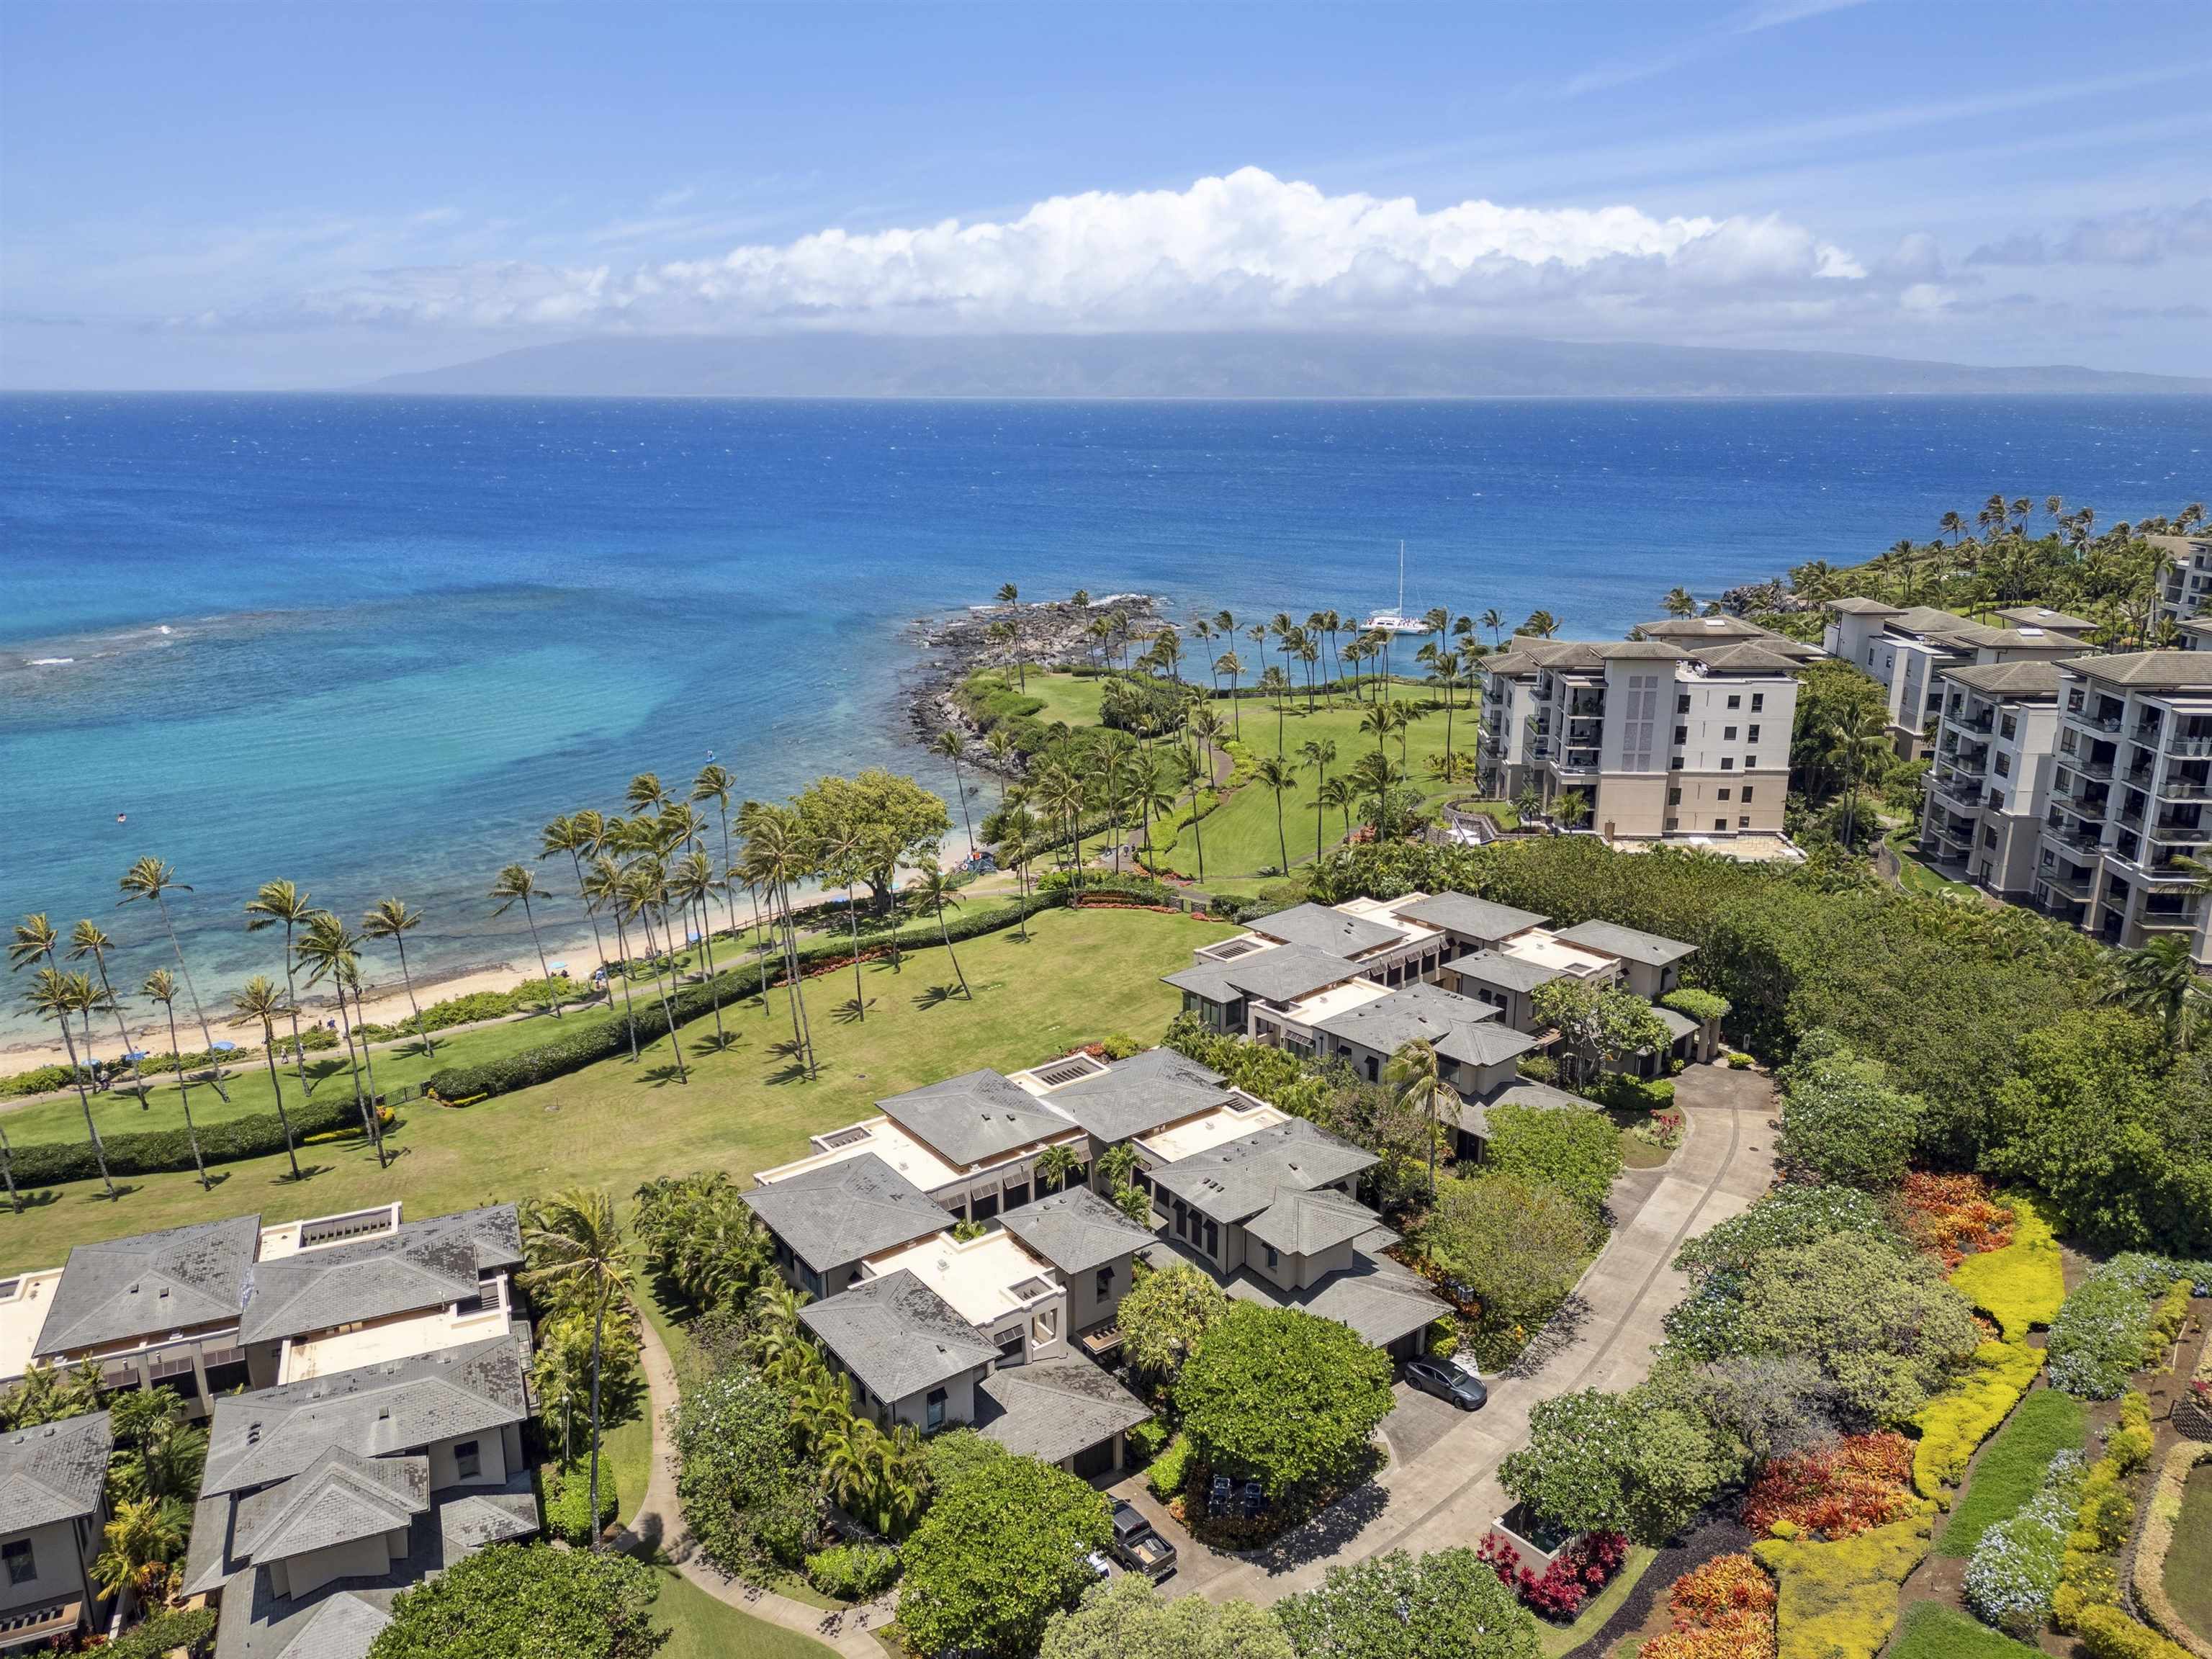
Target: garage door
<point>1098,1460</point>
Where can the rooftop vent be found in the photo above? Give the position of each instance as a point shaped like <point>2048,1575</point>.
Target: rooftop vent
<point>843,1138</point>
<point>1066,1070</point>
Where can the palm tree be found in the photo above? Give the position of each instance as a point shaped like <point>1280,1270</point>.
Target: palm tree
<point>635,889</point>
<point>1063,793</point>
<point>146,1535</point>
<point>283,901</point>
<point>1320,753</point>
<point>394,919</point>
<point>1954,526</point>
<point>578,1255</point>
<point>1444,673</point>
<point>258,1003</point>
<point>1019,836</point>
<point>1851,746</point>
<point>55,995</point>
<point>1680,602</point>
<point>1277,775</point>
<point>1417,1079</point>
<point>950,743</point>
<point>1494,621</point>
<point>935,889</point>
<point>86,939</point>
<point>161,987</point>
<point>599,885</point>
<point>1571,807</point>
<point>1337,792</point>
<point>715,784</point>
<point>331,951</point>
<point>1378,723</point>
<point>777,856</point>
<point>516,884</point>
<point>1231,664</point>
<point>2159,978</point>
<point>150,879</point>
<point>692,883</point>
<point>1056,1163</point>
<point>1009,594</point>
<point>646,794</point>
<point>1542,623</point>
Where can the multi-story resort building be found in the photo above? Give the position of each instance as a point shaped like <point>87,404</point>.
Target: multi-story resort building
<point>365,1381</point>
<point>2186,587</point>
<point>1907,651</point>
<point>1682,729</point>
<point>53,1482</point>
<point>1989,776</point>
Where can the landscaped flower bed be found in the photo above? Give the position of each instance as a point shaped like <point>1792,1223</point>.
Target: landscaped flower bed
<point>1952,1216</point>
<point>1558,1588</point>
<point>1722,1610</point>
<point>1840,1490</point>
<point>2117,1322</point>
<point>2014,1570</point>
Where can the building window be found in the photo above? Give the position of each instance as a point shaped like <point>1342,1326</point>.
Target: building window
<point>1758,701</point>
<point>1675,764</point>
<point>1727,734</point>
<point>1681,734</point>
<point>2004,766</point>
<point>1720,824</point>
<point>1752,736</point>
<point>1735,703</point>
<point>2012,726</point>
<point>1723,794</point>
<point>1747,794</point>
<point>1728,763</point>
<point>1105,1281</point>
<point>932,1411</point>
<point>1751,763</point>
<point>1273,1260</point>
<point>22,1568</point>
<point>1674,796</point>
<point>1213,1239</point>
<point>468,1463</point>
<point>1683,704</point>
<point>1743,823</point>
<point>1373,1070</point>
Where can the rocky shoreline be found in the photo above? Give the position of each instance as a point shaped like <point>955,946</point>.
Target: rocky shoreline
<point>1047,633</point>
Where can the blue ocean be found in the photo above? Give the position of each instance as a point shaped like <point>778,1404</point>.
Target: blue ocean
<point>373,643</point>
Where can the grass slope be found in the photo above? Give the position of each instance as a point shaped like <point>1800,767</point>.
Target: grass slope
<point>700,1627</point>
<point>1931,1630</point>
<point>2189,1560</point>
<point>1084,973</point>
<point>2005,1476</point>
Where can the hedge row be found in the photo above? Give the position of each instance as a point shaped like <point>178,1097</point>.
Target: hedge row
<point>591,1043</point>
<point>157,1150</point>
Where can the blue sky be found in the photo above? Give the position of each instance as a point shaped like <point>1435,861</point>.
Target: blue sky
<point>245,195</point>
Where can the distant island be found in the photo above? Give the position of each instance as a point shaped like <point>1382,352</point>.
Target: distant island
<point>1241,365</point>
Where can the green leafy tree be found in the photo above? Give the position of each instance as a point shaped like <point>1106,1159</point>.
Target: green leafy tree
<point>1841,1122</point>
<point>1166,1313</point>
<point>1569,1150</point>
<point>527,1602</point>
<point>951,1457</point>
<point>1602,1026</point>
<point>1128,1618</point>
<point>1278,1393</point>
<point>1609,1462</point>
<point>996,1556</point>
<point>1448,1605</point>
<point>747,1494</point>
<point>899,819</point>
<point>1417,1082</point>
<point>1518,1245</point>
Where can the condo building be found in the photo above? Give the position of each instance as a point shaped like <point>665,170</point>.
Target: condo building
<point>1989,781</point>
<point>1907,651</point>
<point>1683,731</point>
<point>2185,586</point>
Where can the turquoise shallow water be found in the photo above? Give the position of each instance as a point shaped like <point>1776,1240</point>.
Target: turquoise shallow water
<point>373,643</point>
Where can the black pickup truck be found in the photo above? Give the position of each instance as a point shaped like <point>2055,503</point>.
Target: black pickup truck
<point>1138,1547</point>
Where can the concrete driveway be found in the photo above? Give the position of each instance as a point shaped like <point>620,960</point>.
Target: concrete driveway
<point>1441,1487</point>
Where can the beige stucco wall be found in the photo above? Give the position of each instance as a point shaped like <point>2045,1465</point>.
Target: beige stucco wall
<point>363,1558</point>
<point>1085,1307</point>
<point>491,1454</point>
<point>959,1402</point>
<point>56,1554</point>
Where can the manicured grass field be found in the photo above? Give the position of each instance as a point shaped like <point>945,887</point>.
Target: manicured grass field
<point>1083,974</point>
<point>1930,1630</point>
<point>2188,1561</point>
<point>1918,878</point>
<point>1239,835</point>
<point>2011,1466</point>
<point>1066,697</point>
<point>396,1065</point>
<point>700,1627</point>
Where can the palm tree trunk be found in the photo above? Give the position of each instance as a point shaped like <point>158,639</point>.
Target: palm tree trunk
<point>667,1008</point>
<point>761,934</point>
<point>960,787</point>
<point>630,1008</point>
<point>7,1168</point>
<point>860,993</point>
<point>269,1054</point>
<point>1197,835</point>
<point>138,1077</point>
<point>599,1325</point>
<point>801,1023</point>
<point>1282,843</point>
<point>552,992</point>
<point>729,894</point>
<point>292,997</point>
<point>1021,886</point>
<point>185,1099</point>
<point>952,955</point>
<point>198,1013</point>
<point>408,979</point>
<point>361,1020</point>
<point>83,1099</point>
<point>714,986</point>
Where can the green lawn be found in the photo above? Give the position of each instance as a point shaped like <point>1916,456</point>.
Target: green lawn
<point>2188,1561</point>
<point>1239,835</point>
<point>1930,1630</point>
<point>2011,1468</point>
<point>1084,973</point>
<point>701,1627</point>
<point>396,1065</point>
<point>1917,878</point>
<point>1066,697</point>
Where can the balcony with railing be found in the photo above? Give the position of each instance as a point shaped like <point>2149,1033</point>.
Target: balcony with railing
<point>2071,884</point>
<point>2068,837</point>
<point>21,1627</point>
<point>2191,744</point>
<point>1961,790</point>
<point>2087,765</point>
<point>1577,758</point>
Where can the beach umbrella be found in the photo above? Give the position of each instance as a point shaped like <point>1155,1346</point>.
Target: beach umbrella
<point>559,967</point>
<point>225,1047</point>
<point>134,1056</point>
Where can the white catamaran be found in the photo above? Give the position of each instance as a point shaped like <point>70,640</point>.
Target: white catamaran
<point>1396,622</point>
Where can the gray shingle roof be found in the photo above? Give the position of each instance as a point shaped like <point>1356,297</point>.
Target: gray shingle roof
<point>424,1264</point>
<point>1627,943</point>
<point>273,1434</point>
<point>1858,607</point>
<point>338,1498</point>
<point>1380,1300</point>
<point>1318,927</point>
<point>1287,972</point>
<point>1470,917</point>
<point>1209,980</point>
<point>2039,616</point>
<point>843,1211</point>
<point>1306,1224</point>
<point>897,1335</point>
<point>53,1472</point>
<point>1461,1028</point>
<point>1244,1176</point>
<point>1507,973</point>
<point>2144,670</point>
<point>1677,1025</point>
<point>1747,656</point>
<point>1696,629</point>
<point>1641,651</point>
<point>1050,1409</point>
<point>1075,1230</point>
<point>2033,678</point>
<point>973,1118</point>
<point>1134,1096</point>
<point>1473,1115</point>
<point>342,1626</point>
<point>149,1284</point>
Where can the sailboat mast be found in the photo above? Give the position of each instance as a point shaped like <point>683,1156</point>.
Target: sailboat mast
<point>1402,579</point>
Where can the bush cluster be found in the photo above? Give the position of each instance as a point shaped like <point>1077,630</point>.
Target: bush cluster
<point>1959,1419</point>
<point>1838,1600</point>
<point>1170,1467</point>
<point>165,1633</point>
<point>1722,1610</point>
<point>2109,1328</point>
<point>1835,1491</point>
<point>156,1150</point>
<point>2089,1575</point>
<point>569,1503</point>
<point>1951,1216</point>
<point>2014,1570</point>
<point>854,1572</point>
<point>1576,1573</point>
<point>2022,1286</point>
<point>1704,1006</point>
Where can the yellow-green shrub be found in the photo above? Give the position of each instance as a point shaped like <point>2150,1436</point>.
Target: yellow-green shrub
<point>2168,1315</point>
<point>1838,1600</point>
<point>2089,1575</point>
<point>2022,1286</point>
<point>1959,1419</point>
<point>2108,1633</point>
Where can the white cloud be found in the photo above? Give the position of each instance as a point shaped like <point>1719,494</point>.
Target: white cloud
<point>2140,237</point>
<point>1248,249</point>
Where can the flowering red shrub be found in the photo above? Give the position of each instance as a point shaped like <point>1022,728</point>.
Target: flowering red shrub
<point>1860,1482</point>
<point>1576,1573</point>
<point>1722,1610</point>
<point>1952,1216</point>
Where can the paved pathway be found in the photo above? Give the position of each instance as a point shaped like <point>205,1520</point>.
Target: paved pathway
<point>656,1532</point>
<point>1447,1492</point>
